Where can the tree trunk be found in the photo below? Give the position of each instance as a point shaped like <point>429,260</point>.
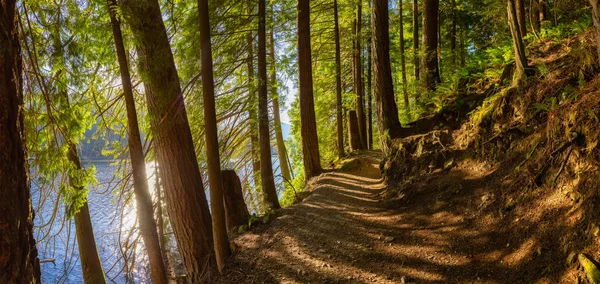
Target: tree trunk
<point>266,165</point>
<point>416,60</point>
<point>453,37</point>
<point>387,111</point>
<point>308,123</point>
<point>403,60</point>
<point>431,73</point>
<point>338,84</point>
<point>143,199</point>
<point>236,210</point>
<point>534,12</point>
<point>18,255</point>
<point>91,265</point>
<point>221,241</point>
<point>369,91</point>
<point>596,18</point>
<point>252,107</point>
<point>520,6</point>
<point>182,182</point>
<point>543,6</point>
<point>353,133</point>
<point>281,152</point>
<point>160,223</point>
<point>518,46</point>
<point>358,82</point>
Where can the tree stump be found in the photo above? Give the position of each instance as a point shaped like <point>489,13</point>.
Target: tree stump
<point>353,135</point>
<point>236,211</point>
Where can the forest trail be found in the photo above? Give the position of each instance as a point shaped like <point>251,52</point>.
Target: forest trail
<point>344,233</point>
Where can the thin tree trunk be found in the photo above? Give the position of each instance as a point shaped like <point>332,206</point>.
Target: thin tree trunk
<point>160,223</point>
<point>338,84</point>
<point>596,18</point>
<point>440,43</point>
<point>358,82</point>
<point>143,199</point>
<point>431,73</point>
<point>369,90</point>
<point>283,162</point>
<point>353,134</point>
<point>534,13</point>
<point>182,182</point>
<point>266,166</point>
<point>252,107</point>
<point>543,10</point>
<point>18,254</point>
<point>91,265</point>
<point>518,46</point>
<point>387,111</point>
<point>453,37</point>
<point>416,60</point>
<point>403,60</point>
<point>520,6</point>
<point>221,241</point>
<point>308,123</point>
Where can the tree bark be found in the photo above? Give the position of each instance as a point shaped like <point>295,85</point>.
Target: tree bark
<point>338,84</point>
<point>369,91</point>
<point>520,6</point>
<point>403,59</point>
<point>387,111</point>
<point>431,73</point>
<point>518,46</point>
<point>160,223</point>
<point>221,241</point>
<point>236,210</point>
<point>145,213</point>
<point>534,12</point>
<point>596,19</point>
<point>308,123</point>
<point>281,152</point>
<point>18,254</point>
<point>182,182</point>
<point>543,6</point>
<point>358,82</point>
<point>266,166</point>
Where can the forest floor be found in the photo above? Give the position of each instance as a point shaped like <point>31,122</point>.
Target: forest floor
<point>345,231</point>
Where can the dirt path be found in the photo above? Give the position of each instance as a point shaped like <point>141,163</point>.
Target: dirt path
<point>344,233</point>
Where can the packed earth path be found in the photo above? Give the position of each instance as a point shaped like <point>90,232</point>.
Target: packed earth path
<point>344,232</point>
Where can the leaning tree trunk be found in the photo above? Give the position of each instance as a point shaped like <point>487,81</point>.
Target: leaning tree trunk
<point>266,166</point>
<point>148,229</point>
<point>221,241</point>
<point>236,211</point>
<point>518,46</point>
<point>89,258</point>
<point>338,84</point>
<point>403,60</point>
<point>308,123</point>
<point>18,255</point>
<point>431,72</point>
<point>387,111</point>
<point>358,82</point>
<point>182,182</point>
<point>596,18</point>
<point>281,152</point>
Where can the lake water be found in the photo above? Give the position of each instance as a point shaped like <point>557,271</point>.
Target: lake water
<point>113,219</point>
